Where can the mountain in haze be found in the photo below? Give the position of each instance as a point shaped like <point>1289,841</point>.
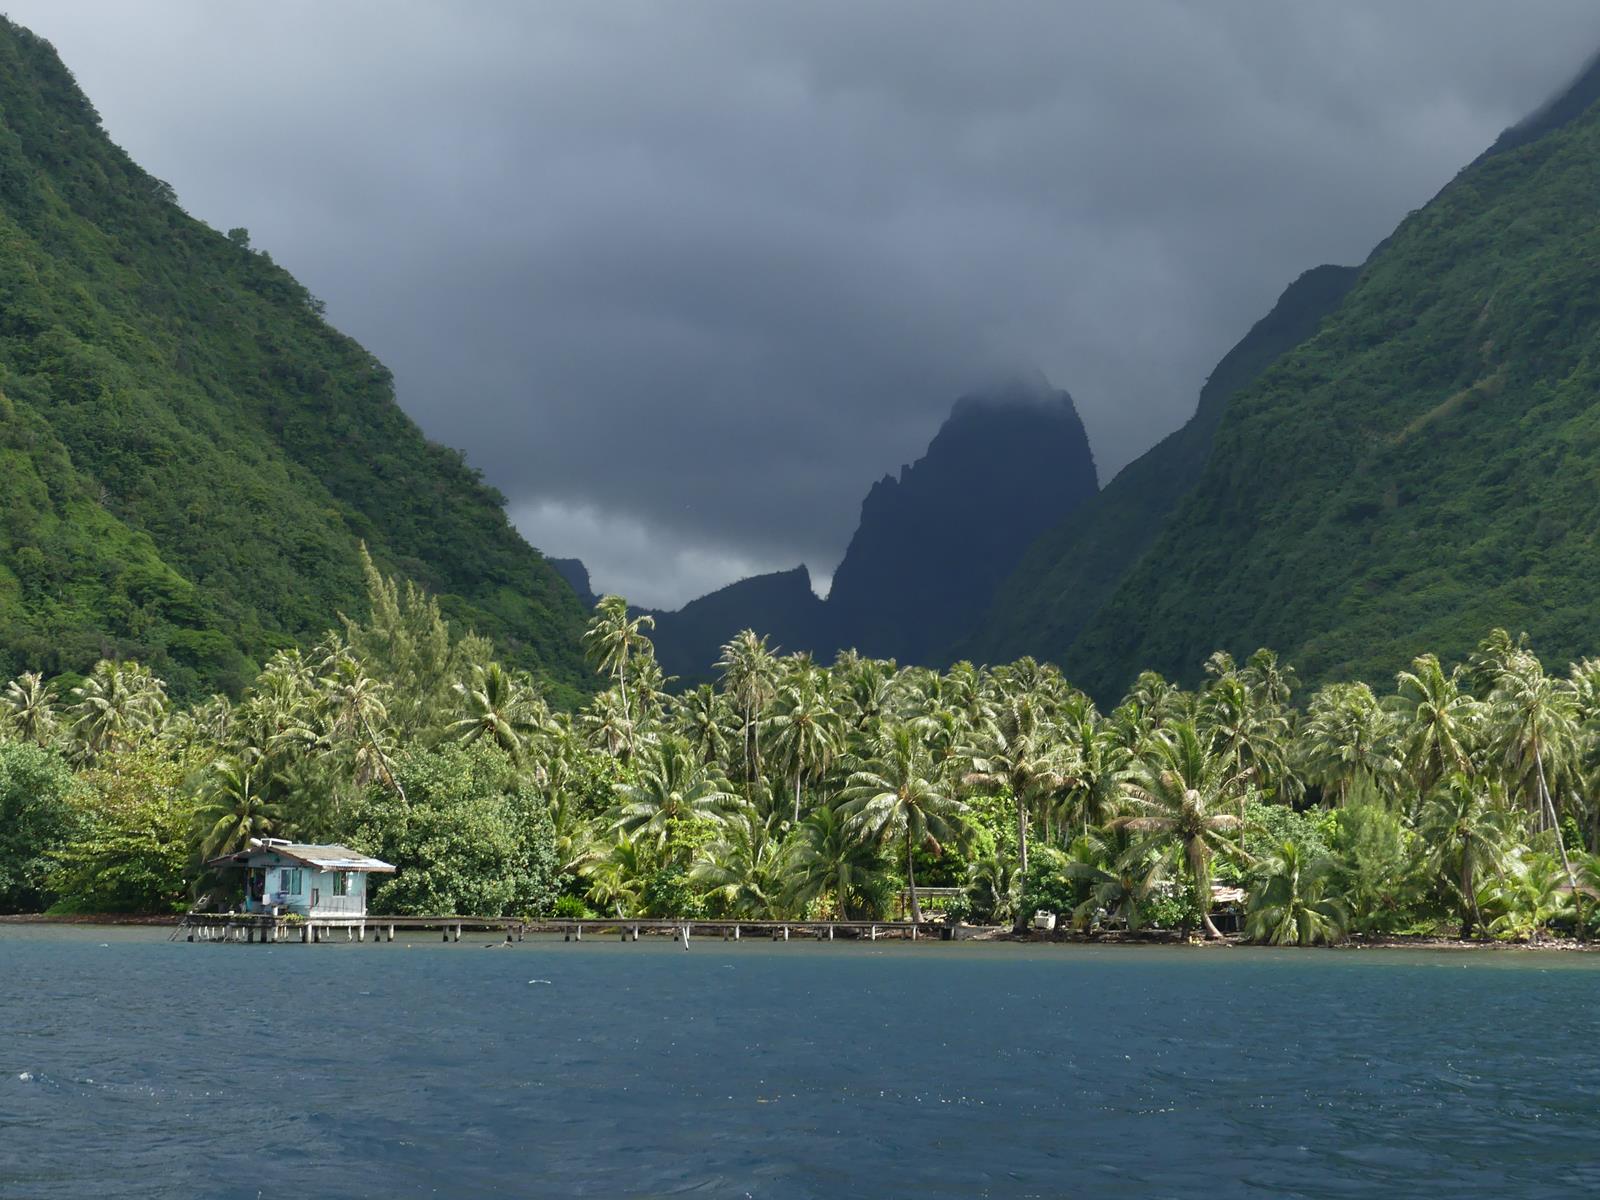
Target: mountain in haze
<point>1424,468</point>
<point>921,570</point>
<point>1007,464</point>
<point>1067,574</point>
<point>190,456</point>
<point>781,605</point>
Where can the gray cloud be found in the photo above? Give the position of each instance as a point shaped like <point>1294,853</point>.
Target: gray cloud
<point>683,279</point>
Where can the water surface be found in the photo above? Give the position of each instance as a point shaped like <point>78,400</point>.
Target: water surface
<point>132,1066</point>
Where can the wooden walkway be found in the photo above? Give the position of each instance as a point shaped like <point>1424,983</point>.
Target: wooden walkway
<point>267,930</point>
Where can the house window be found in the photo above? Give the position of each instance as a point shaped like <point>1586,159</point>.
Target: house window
<point>341,883</point>
<point>289,880</point>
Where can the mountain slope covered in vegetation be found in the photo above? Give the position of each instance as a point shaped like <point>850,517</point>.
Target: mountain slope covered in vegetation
<point>1069,572</point>
<point>190,456</point>
<point>1427,466</point>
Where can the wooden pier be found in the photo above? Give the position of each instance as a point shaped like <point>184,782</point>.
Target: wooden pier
<point>266,929</point>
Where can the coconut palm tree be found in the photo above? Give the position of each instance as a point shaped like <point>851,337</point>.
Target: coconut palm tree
<point>702,716</point>
<point>611,639</point>
<point>29,707</point>
<point>671,786</point>
<point>1018,751</point>
<point>893,797</point>
<point>1464,825</point>
<point>829,858</point>
<point>1348,739</point>
<point>804,728</point>
<point>741,868</point>
<point>233,810</point>
<point>498,708</point>
<point>1178,793</point>
<point>116,705</point>
<point>749,677</point>
<point>1436,723</point>
<point>1290,906</point>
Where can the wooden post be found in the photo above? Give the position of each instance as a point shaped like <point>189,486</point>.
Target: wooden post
<point>873,935</point>
<point>444,933</point>
<point>830,931</point>
<point>786,933</point>
<point>913,931</point>
<point>686,935</point>
<point>578,936</point>
<point>391,933</point>
<point>361,932</point>
<point>636,933</point>
<point>458,931</point>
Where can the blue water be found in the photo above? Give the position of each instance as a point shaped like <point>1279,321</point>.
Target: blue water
<point>131,1066</point>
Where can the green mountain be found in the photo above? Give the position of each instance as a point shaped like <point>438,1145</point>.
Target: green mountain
<point>189,455</point>
<point>1423,469</point>
<point>1071,571</point>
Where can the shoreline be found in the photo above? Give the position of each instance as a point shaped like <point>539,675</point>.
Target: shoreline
<point>969,934</point>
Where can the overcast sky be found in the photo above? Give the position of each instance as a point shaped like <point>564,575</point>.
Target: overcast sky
<point>684,278</point>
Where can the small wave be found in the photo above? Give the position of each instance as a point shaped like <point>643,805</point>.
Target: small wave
<point>26,1077</point>
<point>538,981</point>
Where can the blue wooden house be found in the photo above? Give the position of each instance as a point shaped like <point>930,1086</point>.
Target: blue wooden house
<point>321,883</point>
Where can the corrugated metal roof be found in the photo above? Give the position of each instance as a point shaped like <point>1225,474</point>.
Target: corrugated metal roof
<point>324,858</point>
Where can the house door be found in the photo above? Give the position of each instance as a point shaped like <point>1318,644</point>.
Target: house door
<point>316,896</point>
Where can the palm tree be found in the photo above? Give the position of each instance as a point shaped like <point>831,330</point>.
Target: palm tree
<point>1019,752</point>
<point>1102,862</point>
<point>741,867</point>
<point>612,637</point>
<point>1534,724</point>
<point>498,708</point>
<point>114,707</point>
<point>702,717</point>
<point>1436,722</point>
<point>1178,793</point>
<point>233,810</point>
<point>992,889</point>
<point>1348,738</point>
<point>805,729</point>
<point>892,796</point>
<point>672,787</point>
<point>1530,893</point>
<point>1464,824</point>
<point>829,857</point>
<point>749,674</point>
<point>29,704</point>
<point>1290,905</point>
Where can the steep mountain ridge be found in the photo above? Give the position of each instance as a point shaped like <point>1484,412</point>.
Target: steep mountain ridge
<point>192,454</point>
<point>931,544</point>
<point>1070,571</point>
<point>1426,467</point>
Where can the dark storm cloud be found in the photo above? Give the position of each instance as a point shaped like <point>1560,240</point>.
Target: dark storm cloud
<point>685,278</point>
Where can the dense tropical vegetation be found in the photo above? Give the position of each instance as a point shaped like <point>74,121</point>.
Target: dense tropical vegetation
<point>1463,801</point>
<point>189,453</point>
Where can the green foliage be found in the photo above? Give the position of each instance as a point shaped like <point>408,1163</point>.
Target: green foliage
<point>132,851</point>
<point>1422,466</point>
<point>189,454</point>
<point>468,840</point>
<point>38,819</point>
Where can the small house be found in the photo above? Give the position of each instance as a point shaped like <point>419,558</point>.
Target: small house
<point>315,882</point>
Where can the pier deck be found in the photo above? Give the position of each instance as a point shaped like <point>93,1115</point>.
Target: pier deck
<point>267,929</point>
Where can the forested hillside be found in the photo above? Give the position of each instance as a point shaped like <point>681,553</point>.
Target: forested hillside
<point>190,455</point>
<point>1069,572</point>
<point>1425,467</point>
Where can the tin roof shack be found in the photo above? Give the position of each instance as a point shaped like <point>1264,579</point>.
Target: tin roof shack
<point>323,883</point>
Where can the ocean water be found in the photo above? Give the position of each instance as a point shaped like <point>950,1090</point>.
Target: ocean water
<point>134,1067</point>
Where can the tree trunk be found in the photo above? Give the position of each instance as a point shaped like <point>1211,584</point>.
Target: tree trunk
<point>1469,895</point>
<point>1020,924</point>
<point>797,795</point>
<point>911,884</point>
<point>1555,822</point>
